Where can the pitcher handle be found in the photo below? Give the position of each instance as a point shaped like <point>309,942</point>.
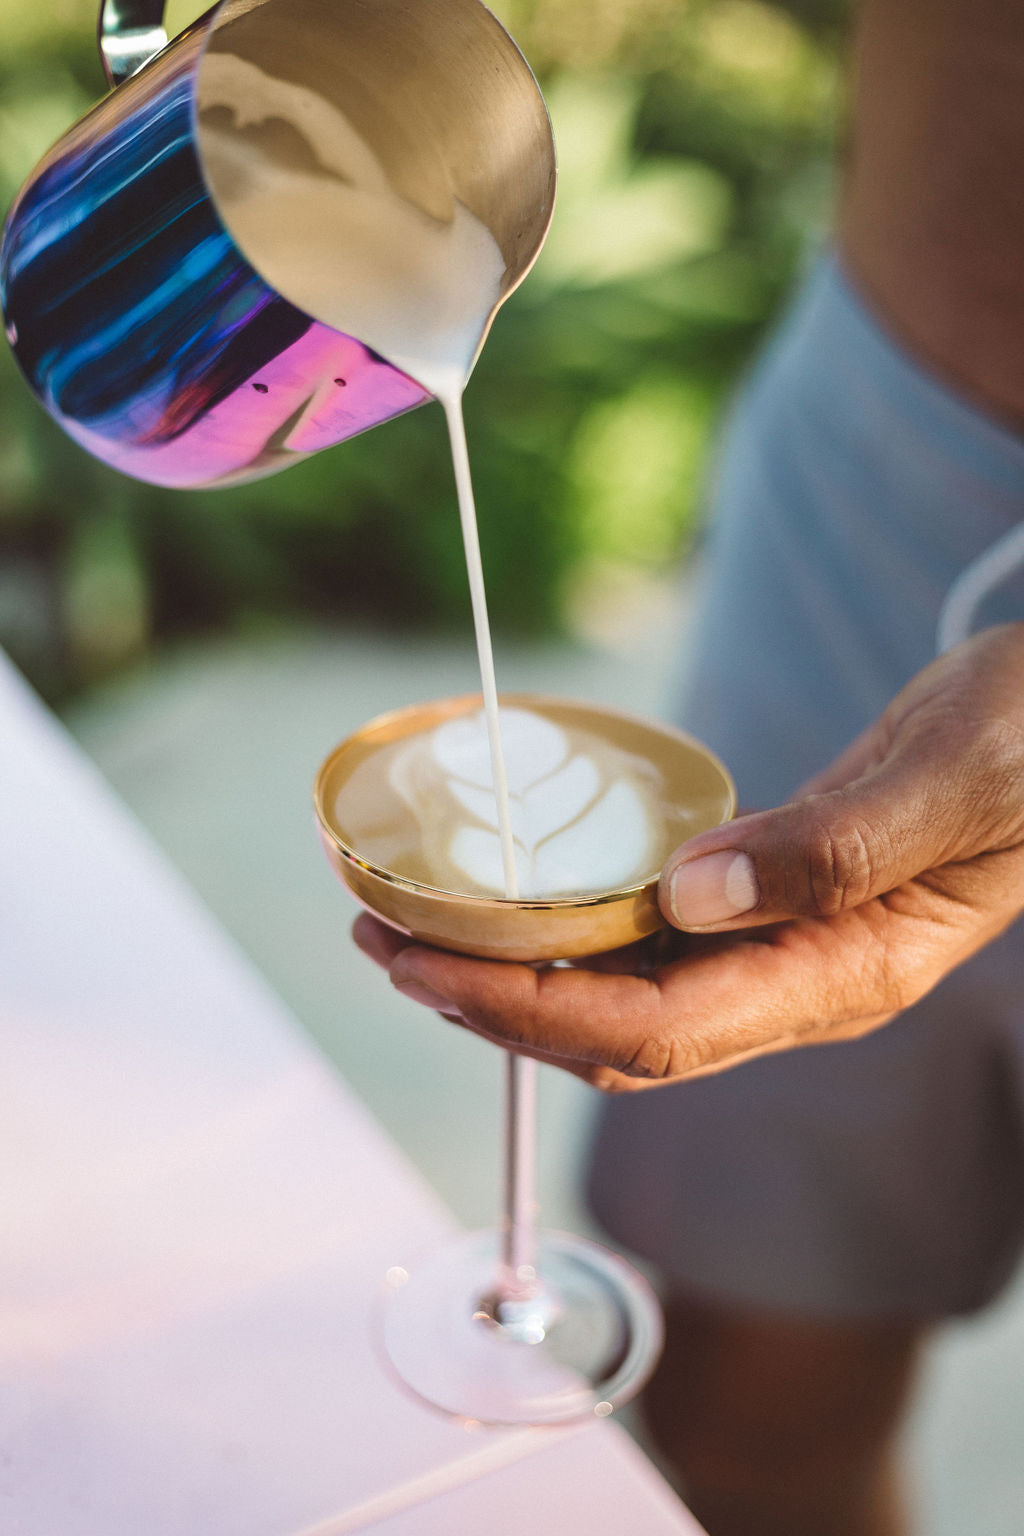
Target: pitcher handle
<point>130,33</point>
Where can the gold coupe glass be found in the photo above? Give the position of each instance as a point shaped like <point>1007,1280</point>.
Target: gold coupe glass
<point>517,1326</point>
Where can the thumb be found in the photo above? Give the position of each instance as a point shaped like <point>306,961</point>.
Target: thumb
<point>820,855</point>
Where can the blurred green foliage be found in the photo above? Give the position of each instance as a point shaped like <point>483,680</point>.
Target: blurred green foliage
<point>695,142</point>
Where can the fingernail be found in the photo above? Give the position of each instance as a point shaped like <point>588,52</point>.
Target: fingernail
<point>425,995</point>
<point>713,889</point>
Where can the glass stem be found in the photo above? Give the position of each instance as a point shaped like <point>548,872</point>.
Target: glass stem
<point>519,1224</point>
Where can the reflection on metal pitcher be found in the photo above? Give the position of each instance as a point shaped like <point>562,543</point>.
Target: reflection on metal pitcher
<point>129,304</point>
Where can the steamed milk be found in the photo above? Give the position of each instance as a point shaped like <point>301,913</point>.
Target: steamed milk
<point>307,192</point>
<point>508,803</point>
<point>587,814</point>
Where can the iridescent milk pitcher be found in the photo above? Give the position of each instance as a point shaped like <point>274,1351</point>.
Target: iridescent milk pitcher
<point>163,314</point>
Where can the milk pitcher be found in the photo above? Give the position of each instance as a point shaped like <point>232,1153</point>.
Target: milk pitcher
<point>188,317</point>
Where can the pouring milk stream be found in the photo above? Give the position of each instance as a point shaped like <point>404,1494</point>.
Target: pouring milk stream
<point>419,291</point>
<point>420,288</point>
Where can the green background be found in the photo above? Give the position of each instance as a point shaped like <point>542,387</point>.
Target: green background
<point>695,142</point>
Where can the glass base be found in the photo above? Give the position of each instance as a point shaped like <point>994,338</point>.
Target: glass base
<point>577,1337</point>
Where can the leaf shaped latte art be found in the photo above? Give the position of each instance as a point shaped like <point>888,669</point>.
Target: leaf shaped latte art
<point>533,746</point>
<point>583,813</point>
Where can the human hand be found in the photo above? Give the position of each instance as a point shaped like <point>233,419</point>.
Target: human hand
<point>814,922</point>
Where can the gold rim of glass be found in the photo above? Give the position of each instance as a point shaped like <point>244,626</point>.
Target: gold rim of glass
<point>449,708</point>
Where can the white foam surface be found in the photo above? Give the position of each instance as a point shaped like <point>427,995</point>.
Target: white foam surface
<point>575,828</point>
<point>336,238</point>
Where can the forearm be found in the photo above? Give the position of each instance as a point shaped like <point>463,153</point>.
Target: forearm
<point>932,220</point>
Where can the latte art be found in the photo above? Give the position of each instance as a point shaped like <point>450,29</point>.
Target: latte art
<point>588,814</point>
<point>583,814</point>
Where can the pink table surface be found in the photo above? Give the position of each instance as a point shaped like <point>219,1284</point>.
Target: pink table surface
<point>195,1215</point>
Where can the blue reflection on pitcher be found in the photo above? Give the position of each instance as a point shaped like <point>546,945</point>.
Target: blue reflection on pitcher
<point>141,326</point>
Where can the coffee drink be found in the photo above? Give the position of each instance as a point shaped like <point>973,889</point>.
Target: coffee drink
<point>597,800</point>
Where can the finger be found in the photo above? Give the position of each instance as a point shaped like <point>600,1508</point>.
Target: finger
<point>604,1078</point>
<point>640,958</point>
<point>572,1015</point>
<point>607,1080</point>
<point>378,941</point>
<point>382,944</point>
<point>822,855</point>
<point>792,984</point>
